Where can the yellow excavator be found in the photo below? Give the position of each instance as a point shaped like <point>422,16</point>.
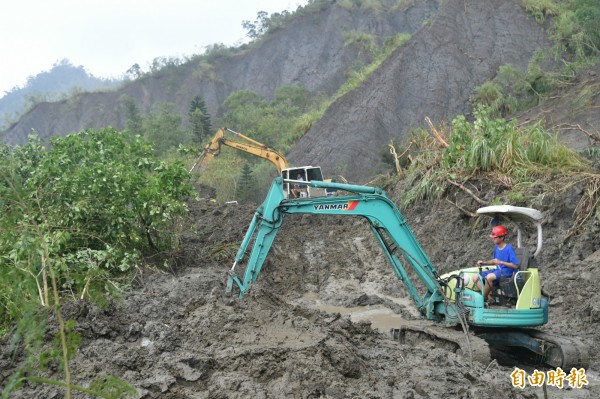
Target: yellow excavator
<point>245,144</point>
<point>250,146</point>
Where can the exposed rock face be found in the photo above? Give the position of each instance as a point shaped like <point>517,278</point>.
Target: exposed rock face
<point>309,52</point>
<point>432,75</point>
<point>455,46</point>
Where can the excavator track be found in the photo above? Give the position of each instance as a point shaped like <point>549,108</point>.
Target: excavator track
<point>456,341</point>
<point>554,350</point>
<point>563,352</point>
<point>551,349</point>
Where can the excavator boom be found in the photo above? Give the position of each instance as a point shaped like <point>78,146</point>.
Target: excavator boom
<point>245,144</point>
<point>387,224</point>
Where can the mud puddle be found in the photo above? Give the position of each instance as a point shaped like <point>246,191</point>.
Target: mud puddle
<point>381,317</point>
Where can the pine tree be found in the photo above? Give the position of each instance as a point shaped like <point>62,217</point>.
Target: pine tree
<point>246,191</point>
<point>199,119</point>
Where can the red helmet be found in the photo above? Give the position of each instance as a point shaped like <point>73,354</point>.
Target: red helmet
<point>499,231</point>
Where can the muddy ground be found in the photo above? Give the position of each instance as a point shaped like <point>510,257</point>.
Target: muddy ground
<point>177,336</point>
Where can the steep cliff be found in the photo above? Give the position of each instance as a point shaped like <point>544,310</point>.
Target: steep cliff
<point>308,52</point>
<point>432,75</point>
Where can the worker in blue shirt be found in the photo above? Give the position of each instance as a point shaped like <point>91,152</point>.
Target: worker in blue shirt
<point>505,260</point>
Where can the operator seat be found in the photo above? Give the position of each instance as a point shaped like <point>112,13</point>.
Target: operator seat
<point>507,285</point>
<point>523,257</point>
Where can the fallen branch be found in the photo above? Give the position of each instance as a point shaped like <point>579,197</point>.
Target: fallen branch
<point>396,157</point>
<point>436,134</point>
<point>466,190</point>
<point>468,213</point>
<point>593,136</point>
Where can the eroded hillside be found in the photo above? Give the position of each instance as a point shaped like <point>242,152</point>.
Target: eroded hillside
<point>433,76</point>
<point>308,52</point>
<point>573,113</point>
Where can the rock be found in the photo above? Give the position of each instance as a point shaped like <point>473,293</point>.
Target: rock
<point>556,301</point>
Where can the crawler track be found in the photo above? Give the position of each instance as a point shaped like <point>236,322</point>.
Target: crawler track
<point>468,345</point>
<point>563,352</point>
<point>554,350</point>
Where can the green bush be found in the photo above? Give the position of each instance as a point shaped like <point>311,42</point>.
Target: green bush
<point>541,9</point>
<point>73,220</point>
<point>89,207</point>
<point>491,143</point>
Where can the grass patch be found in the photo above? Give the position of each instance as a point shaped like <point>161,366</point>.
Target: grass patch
<point>502,153</point>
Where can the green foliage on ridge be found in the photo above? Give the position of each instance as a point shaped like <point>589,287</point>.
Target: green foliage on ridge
<point>498,151</point>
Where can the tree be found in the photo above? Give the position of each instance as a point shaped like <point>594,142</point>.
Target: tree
<point>291,101</point>
<point>246,113</point>
<point>247,186</point>
<point>95,200</point>
<point>133,117</point>
<point>259,26</point>
<point>134,72</point>
<point>199,119</point>
<point>72,218</point>
<point>163,128</point>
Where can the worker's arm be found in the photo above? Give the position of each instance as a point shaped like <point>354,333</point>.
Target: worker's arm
<point>486,262</point>
<point>497,262</point>
<point>507,264</point>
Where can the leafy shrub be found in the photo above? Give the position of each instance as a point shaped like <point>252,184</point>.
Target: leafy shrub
<point>587,13</point>
<point>541,9</point>
<point>163,127</point>
<point>73,219</point>
<point>495,144</point>
<point>89,207</point>
<point>577,30</point>
<point>366,43</point>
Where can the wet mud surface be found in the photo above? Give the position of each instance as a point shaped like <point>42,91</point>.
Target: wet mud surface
<point>315,325</point>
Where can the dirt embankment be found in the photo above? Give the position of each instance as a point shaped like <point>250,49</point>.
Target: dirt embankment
<point>177,336</point>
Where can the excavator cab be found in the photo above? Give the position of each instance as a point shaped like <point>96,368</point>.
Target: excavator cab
<point>297,182</point>
<point>509,289</point>
<point>522,292</point>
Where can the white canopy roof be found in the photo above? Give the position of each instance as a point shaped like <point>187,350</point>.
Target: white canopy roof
<point>515,213</point>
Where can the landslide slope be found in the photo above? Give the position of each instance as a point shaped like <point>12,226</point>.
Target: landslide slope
<point>573,113</point>
<point>432,75</point>
<point>309,52</point>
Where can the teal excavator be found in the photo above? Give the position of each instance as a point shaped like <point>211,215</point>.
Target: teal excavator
<point>452,299</point>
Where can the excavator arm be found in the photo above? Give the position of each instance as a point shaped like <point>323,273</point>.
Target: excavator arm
<point>387,224</point>
<point>245,144</point>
